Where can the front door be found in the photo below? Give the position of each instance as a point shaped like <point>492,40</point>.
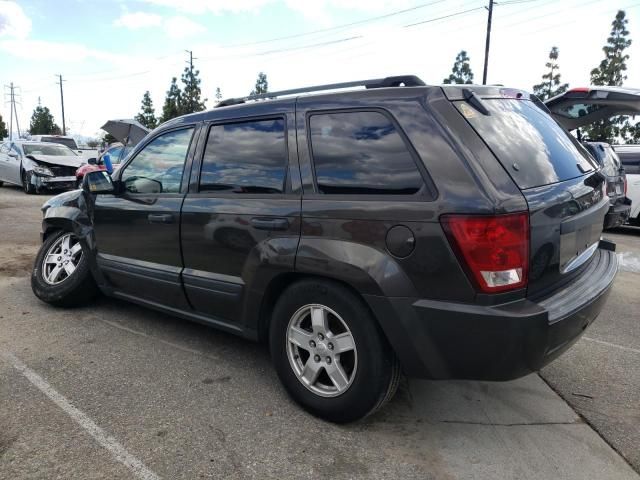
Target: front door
<point>240,221</point>
<point>138,229</point>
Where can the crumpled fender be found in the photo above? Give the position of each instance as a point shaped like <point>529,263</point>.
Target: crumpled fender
<point>73,211</point>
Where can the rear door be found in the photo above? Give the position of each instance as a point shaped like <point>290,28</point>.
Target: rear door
<point>240,220</point>
<point>580,107</point>
<point>561,182</point>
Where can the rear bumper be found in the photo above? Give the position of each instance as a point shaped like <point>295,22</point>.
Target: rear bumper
<point>618,213</point>
<point>442,340</point>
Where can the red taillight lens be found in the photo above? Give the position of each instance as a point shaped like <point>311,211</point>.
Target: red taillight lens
<point>495,249</point>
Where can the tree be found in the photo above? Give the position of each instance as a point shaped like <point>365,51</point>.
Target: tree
<point>172,102</point>
<point>191,92</point>
<point>262,85</point>
<point>461,71</point>
<point>3,129</point>
<point>147,115</point>
<point>551,85</point>
<point>611,72</point>
<point>109,139</point>
<point>93,143</point>
<point>42,122</point>
<point>218,95</point>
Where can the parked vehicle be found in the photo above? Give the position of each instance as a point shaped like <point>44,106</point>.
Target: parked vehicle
<point>580,107</point>
<point>630,158</point>
<point>443,232</point>
<point>67,141</point>
<point>619,204</point>
<point>38,166</point>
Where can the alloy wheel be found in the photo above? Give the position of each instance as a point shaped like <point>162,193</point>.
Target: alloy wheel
<point>62,259</point>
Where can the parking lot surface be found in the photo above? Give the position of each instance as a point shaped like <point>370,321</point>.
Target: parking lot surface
<point>115,391</point>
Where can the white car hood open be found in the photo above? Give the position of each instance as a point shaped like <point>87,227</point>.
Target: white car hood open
<point>68,161</point>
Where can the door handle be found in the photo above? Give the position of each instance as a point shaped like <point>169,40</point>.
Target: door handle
<point>160,218</point>
<point>270,223</point>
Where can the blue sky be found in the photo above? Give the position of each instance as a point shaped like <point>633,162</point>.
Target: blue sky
<point>110,52</point>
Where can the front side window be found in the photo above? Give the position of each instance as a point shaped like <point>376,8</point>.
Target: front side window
<point>361,153</point>
<point>245,157</point>
<point>159,165</point>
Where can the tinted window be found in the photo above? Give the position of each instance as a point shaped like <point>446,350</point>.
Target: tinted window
<point>521,134</point>
<point>158,166</point>
<point>606,157</point>
<point>630,162</point>
<point>246,157</point>
<point>361,153</point>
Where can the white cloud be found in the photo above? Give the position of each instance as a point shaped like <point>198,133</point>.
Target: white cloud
<point>136,20</point>
<point>14,23</point>
<point>59,51</point>
<point>213,6</point>
<point>181,27</point>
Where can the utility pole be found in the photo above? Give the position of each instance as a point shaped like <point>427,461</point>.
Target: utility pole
<point>64,128</point>
<point>12,109</point>
<point>486,47</point>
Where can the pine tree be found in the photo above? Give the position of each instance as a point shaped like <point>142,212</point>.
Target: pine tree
<point>3,129</point>
<point>191,92</point>
<point>611,72</point>
<point>551,85</point>
<point>461,71</point>
<point>218,94</point>
<point>109,139</point>
<point>147,115</point>
<point>172,103</point>
<point>262,85</point>
<point>42,122</point>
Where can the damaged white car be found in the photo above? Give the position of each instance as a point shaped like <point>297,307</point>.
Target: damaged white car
<point>38,166</point>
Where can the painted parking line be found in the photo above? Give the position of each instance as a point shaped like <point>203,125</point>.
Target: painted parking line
<point>98,434</point>
<point>609,344</point>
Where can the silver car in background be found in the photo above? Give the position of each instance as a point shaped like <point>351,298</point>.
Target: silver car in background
<point>37,166</point>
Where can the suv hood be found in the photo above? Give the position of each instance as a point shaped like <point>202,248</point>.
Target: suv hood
<point>579,107</point>
<point>67,161</point>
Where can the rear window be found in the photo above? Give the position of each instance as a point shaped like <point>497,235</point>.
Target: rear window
<point>67,142</point>
<point>606,157</point>
<point>630,162</point>
<point>531,146</point>
<point>361,153</point>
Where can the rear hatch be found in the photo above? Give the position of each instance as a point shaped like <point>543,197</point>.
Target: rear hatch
<point>560,181</point>
<point>580,107</point>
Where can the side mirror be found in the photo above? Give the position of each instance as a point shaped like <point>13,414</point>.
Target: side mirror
<point>98,182</point>
<point>92,161</point>
<point>12,154</point>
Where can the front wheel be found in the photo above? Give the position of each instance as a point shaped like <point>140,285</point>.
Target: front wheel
<point>61,274</point>
<point>27,186</point>
<point>329,352</point>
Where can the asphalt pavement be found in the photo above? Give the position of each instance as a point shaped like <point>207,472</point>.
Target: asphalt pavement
<point>114,391</point>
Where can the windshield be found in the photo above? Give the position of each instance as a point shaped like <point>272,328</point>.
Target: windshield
<point>531,146</point>
<point>68,142</point>
<point>48,149</point>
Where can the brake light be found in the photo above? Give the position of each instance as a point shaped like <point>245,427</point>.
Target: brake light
<point>494,249</point>
<point>579,90</point>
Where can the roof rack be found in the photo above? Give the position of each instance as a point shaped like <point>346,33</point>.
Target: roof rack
<point>398,81</point>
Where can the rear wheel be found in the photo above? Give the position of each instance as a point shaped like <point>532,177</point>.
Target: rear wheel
<point>330,353</point>
<point>61,274</point>
<point>27,186</point>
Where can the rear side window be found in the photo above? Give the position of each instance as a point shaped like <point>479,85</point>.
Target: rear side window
<point>630,162</point>
<point>245,157</point>
<point>361,153</point>
<point>606,157</point>
<point>529,144</point>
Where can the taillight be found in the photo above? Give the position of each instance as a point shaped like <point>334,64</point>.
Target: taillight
<point>495,249</point>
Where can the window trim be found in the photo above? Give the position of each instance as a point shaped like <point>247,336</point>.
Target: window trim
<point>427,193</point>
<point>227,121</point>
<point>140,148</point>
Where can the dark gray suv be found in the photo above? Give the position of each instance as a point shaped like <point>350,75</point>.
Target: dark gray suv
<point>443,232</point>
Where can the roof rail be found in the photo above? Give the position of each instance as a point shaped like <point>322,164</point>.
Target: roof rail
<point>402,80</point>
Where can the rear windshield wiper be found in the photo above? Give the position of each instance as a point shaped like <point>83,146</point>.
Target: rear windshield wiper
<point>473,99</point>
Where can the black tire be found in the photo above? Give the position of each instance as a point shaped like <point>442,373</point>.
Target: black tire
<point>77,289</point>
<point>27,186</point>
<point>1,183</point>
<point>378,372</point>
